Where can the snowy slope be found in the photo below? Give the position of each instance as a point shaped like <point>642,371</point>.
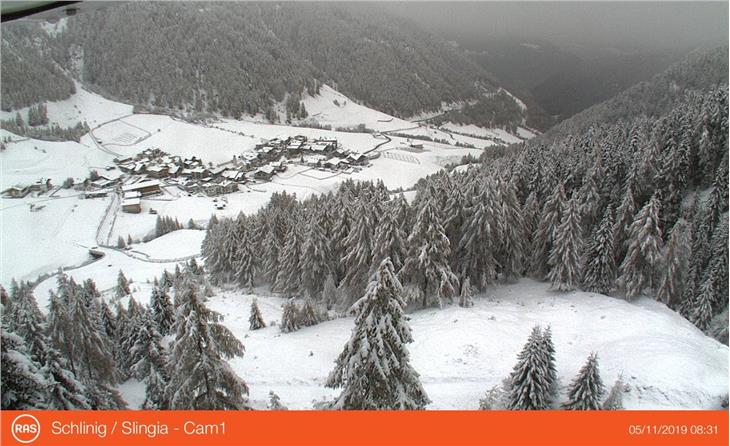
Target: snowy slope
<point>460,353</point>
<point>81,106</point>
<point>173,245</point>
<point>323,110</point>
<point>28,160</point>
<point>55,236</point>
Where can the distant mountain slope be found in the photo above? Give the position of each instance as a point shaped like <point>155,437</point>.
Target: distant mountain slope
<point>29,76</point>
<point>236,58</point>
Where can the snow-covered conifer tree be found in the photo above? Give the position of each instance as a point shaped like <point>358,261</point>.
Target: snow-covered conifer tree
<point>586,390</point>
<point>550,218</point>
<point>329,292</point>
<point>255,320</point>
<point>23,384</point>
<point>316,257</point>
<point>308,314</point>
<point>201,378</point>
<point>614,400</point>
<point>275,402</point>
<point>389,239</point>
<point>478,246</point>
<point>289,278</point>
<point>638,270</point>
<point>374,370</point>
<point>122,288</point>
<point>427,264</point>
<point>565,255</point>
<point>511,232</point>
<point>552,372</point>
<point>599,274</point>
<point>151,365</point>
<point>245,260</point>
<point>290,317</point>
<point>465,298</point>
<point>358,254</point>
<point>162,310</point>
<point>271,251</point>
<point>529,383</point>
<point>674,273</point>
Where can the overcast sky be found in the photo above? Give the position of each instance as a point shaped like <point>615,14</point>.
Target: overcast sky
<point>634,24</point>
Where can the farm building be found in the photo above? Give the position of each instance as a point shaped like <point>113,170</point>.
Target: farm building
<point>145,188</point>
<point>132,205</point>
<point>264,173</point>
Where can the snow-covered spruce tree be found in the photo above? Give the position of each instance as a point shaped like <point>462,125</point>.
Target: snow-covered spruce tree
<point>586,390</point>
<point>79,335</point>
<point>389,239</point>
<point>289,278</point>
<point>358,255</point>
<point>275,402</point>
<point>315,257</point>
<point>465,298</point>
<point>675,267</point>
<point>478,246</point>
<point>216,250</point>
<point>624,217</point>
<point>638,270</point>
<point>530,219</point>
<point>134,327</point>
<point>290,317</point>
<point>245,260</point>
<point>427,264</point>
<point>151,366</point>
<point>511,232</point>
<point>599,275</point>
<point>23,384</point>
<point>701,310</point>
<point>121,244</point>
<point>122,288</point>
<point>550,218</point>
<point>255,320</point>
<point>565,255</point>
<point>270,261</point>
<point>552,371</point>
<point>200,377</point>
<point>308,314</point>
<point>529,383</point>
<point>614,400</point>
<point>329,292</point>
<point>162,310</point>
<point>374,369</point>
<point>64,391</point>
<point>340,231</point>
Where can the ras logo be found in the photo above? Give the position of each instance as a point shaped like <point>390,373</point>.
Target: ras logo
<point>25,428</point>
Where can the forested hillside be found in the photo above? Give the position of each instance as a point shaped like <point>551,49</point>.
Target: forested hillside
<point>634,202</point>
<point>29,74</point>
<point>236,58</point>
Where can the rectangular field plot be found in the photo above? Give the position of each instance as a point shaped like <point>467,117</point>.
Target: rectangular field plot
<point>120,133</point>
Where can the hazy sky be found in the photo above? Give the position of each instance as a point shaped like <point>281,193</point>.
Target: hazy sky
<point>635,24</point>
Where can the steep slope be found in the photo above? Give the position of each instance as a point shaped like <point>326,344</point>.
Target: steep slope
<point>236,58</point>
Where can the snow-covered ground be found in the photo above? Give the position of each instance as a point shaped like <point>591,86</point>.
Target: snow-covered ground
<point>460,353</point>
<point>81,106</point>
<point>28,160</point>
<point>41,241</point>
<point>323,110</point>
<point>173,245</point>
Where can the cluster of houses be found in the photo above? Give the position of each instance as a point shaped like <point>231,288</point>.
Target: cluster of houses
<point>20,191</point>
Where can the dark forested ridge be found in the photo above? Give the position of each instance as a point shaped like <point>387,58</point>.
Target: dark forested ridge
<point>238,58</point>
<point>29,75</point>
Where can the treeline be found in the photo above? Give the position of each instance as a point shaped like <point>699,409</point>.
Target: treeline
<point>73,358</point>
<point>244,57</point>
<point>29,74</point>
<point>638,207</point>
<point>54,132</point>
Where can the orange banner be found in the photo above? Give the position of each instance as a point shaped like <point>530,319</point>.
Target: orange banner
<point>180,428</point>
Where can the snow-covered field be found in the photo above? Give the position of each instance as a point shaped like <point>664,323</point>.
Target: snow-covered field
<point>39,242</point>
